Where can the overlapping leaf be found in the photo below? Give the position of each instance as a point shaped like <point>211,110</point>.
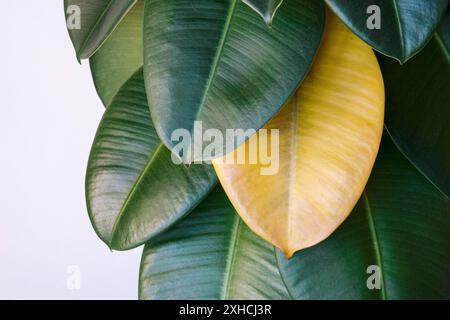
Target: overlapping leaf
<point>329,134</point>
<point>418,109</point>
<point>401,225</point>
<point>217,62</point>
<point>97,19</point>
<point>120,56</point>
<point>210,254</point>
<point>134,191</point>
<point>405,25</point>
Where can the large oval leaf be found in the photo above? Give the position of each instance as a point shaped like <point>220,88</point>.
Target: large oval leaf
<point>265,8</point>
<point>134,190</point>
<point>329,137</point>
<point>216,61</point>
<point>401,225</point>
<point>97,19</point>
<point>418,109</point>
<point>405,25</point>
<point>210,255</point>
<point>120,56</point>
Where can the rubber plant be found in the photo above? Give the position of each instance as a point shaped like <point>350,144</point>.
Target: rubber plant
<point>359,92</point>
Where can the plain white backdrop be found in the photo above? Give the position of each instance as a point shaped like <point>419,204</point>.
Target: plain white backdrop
<point>49,115</point>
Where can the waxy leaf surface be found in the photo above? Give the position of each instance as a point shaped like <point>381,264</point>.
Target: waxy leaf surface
<point>90,22</point>
<point>394,245</point>
<point>134,191</point>
<point>418,108</point>
<point>217,62</point>
<point>210,254</point>
<point>329,134</point>
<point>405,26</point>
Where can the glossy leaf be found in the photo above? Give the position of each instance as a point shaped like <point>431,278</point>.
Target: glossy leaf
<point>134,191</point>
<point>216,61</point>
<point>265,8</point>
<point>418,109</point>
<point>405,25</point>
<point>98,18</point>
<point>211,254</point>
<point>120,56</point>
<point>329,134</point>
<point>401,225</point>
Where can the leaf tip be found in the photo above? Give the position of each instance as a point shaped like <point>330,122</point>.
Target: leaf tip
<point>268,19</point>
<point>267,13</point>
<point>288,253</point>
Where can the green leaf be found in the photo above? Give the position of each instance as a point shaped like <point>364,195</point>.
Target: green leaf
<point>120,56</point>
<point>210,255</point>
<point>444,30</point>
<point>216,61</point>
<point>134,191</point>
<point>406,25</point>
<point>418,110</point>
<point>265,8</point>
<point>98,18</point>
<point>401,224</point>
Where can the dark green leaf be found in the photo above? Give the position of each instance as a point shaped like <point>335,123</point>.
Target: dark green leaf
<point>210,255</point>
<point>418,110</point>
<point>217,62</point>
<point>98,18</point>
<point>265,8</point>
<point>406,25</point>
<point>401,224</point>
<point>444,30</point>
<point>134,191</point>
<point>120,56</point>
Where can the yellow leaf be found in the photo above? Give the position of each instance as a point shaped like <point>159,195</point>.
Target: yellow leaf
<point>329,135</point>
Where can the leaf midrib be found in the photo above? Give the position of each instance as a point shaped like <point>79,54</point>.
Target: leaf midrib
<point>218,56</point>
<point>282,275</point>
<point>231,256</point>
<point>133,191</point>
<point>376,243</point>
<point>400,30</point>
<point>91,31</point>
<point>292,166</point>
<point>94,27</point>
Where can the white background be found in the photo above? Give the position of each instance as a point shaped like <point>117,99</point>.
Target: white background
<point>49,115</point>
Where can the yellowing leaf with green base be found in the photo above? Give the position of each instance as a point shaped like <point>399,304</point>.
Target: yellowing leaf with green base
<point>329,135</point>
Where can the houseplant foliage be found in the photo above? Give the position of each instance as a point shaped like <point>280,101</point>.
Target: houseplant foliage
<point>206,82</point>
<point>407,24</point>
<point>420,92</point>
<point>331,214</point>
<point>400,224</point>
<point>306,209</point>
<point>121,191</point>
